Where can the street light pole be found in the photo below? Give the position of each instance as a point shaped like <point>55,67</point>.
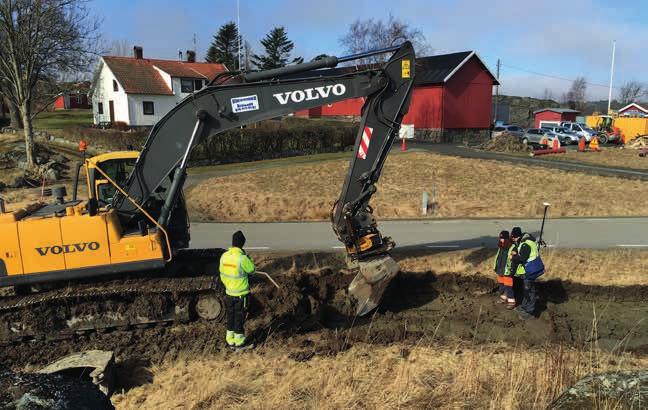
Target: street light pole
<point>611,76</point>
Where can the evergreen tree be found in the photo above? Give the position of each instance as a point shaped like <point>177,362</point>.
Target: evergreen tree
<point>277,50</point>
<point>224,47</point>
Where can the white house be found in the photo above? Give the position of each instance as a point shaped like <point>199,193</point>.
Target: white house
<point>139,91</point>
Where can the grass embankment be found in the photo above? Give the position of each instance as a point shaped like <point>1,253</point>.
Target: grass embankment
<point>464,188</point>
<point>428,374</point>
<point>375,377</point>
<point>55,120</point>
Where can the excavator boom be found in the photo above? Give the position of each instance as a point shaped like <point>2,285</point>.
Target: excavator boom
<point>258,96</point>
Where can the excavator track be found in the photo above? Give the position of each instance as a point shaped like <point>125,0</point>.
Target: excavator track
<point>120,304</point>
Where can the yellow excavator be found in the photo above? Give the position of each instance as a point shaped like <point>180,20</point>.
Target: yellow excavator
<point>128,244</point>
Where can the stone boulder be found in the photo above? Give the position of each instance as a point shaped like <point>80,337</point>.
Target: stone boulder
<point>615,390</point>
<point>48,391</point>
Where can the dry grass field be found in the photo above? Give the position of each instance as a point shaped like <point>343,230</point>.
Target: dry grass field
<point>494,376</point>
<point>609,157</point>
<point>464,188</point>
<point>614,267</point>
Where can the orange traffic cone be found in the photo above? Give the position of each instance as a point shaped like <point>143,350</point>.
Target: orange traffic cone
<point>555,145</point>
<point>594,144</point>
<point>403,145</point>
<point>581,144</point>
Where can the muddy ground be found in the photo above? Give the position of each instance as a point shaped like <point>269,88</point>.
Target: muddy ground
<point>309,315</point>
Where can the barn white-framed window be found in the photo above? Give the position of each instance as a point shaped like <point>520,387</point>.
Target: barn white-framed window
<point>186,85</point>
<point>99,108</point>
<point>148,107</point>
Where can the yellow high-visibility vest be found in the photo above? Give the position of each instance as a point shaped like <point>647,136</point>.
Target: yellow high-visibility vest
<point>235,266</point>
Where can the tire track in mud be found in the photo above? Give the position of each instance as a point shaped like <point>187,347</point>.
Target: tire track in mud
<point>310,315</point>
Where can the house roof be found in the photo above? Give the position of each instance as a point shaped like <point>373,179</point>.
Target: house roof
<point>140,76</point>
<point>558,110</point>
<point>635,106</point>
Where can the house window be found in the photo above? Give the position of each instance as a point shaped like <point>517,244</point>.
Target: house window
<point>115,86</point>
<point>149,108</point>
<point>186,85</point>
<point>99,108</point>
<point>198,84</point>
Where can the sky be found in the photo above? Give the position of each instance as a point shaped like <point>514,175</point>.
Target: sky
<point>541,44</point>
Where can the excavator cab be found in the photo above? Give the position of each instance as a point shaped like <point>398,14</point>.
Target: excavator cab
<point>117,166</point>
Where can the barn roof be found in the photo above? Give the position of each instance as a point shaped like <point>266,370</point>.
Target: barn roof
<point>440,68</point>
<point>430,70</point>
<point>141,75</point>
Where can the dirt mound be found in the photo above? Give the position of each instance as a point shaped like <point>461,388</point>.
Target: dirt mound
<point>505,143</point>
<point>311,314</point>
<point>47,391</point>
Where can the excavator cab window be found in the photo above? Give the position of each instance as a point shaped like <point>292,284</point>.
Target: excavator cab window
<point>118,170</point>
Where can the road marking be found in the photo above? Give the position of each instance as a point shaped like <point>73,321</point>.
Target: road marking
<point>633,245</point>
<point>442,246</point>
<point>257,248</point>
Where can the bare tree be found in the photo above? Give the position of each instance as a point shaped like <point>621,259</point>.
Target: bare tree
<point>547,94</point>
<point>364,35</point>
<point>40,40</point>
<point>120,48</point>
<point>575,97</point>
<point>631,91</point>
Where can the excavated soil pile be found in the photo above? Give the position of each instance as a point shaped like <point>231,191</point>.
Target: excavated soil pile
<point>47,391</point>
<point>505,143</point>
<point>311,315</point>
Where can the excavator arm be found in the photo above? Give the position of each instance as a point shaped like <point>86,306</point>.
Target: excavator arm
<point>267,94</point>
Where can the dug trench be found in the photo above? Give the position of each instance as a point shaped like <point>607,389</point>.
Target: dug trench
<point>310,315</point>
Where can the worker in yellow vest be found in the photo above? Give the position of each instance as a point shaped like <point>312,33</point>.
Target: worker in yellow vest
<point>235,266</point>
<point>525,252</point>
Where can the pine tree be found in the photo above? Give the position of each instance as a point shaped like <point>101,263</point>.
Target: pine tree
<point>224,47</point>
<point>277,50</point>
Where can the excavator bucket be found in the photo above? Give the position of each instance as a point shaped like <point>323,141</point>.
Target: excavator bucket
<point>368,286</point>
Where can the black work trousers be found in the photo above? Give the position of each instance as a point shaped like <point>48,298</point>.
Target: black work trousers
<point>529,299</point>
<point>236,309</point>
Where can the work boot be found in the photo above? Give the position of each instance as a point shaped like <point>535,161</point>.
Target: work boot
<point>502,299</point>
<point>229,338</point>
<point>510,304</point>
<point>525,315</point>
<point>239,339</point>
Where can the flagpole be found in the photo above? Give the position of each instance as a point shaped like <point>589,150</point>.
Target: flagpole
<point>238,31</point>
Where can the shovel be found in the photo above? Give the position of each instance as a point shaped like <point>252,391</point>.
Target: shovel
<point>544,217</point>
<point>269,278</point>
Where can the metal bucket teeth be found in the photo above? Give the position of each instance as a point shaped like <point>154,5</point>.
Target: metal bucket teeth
<point>369,284</point>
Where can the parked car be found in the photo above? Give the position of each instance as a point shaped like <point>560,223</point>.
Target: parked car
<point>511,129</point>
<point>565,136</point>
<point>534,136</point>
<point>579,129</point>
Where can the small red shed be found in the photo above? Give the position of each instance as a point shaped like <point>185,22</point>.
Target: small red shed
<point>554,115</point>
<point>69,100</point>
<point>452,91</point>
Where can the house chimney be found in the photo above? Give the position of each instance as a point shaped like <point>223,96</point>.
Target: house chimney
<point>138,52</point>
<point>191,56</point>
<point>180,55</point>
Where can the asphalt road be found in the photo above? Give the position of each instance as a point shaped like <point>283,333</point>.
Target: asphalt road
<point>594,233</point>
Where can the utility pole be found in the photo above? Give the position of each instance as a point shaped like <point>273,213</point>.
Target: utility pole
<point>611,77</point>
<point>238,31</point>
<point>499,64</point>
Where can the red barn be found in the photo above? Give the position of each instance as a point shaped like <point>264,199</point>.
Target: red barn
<point>554,115</point>
<point>633,110</point>
<point>69,100</point>
<point>452,91</point>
